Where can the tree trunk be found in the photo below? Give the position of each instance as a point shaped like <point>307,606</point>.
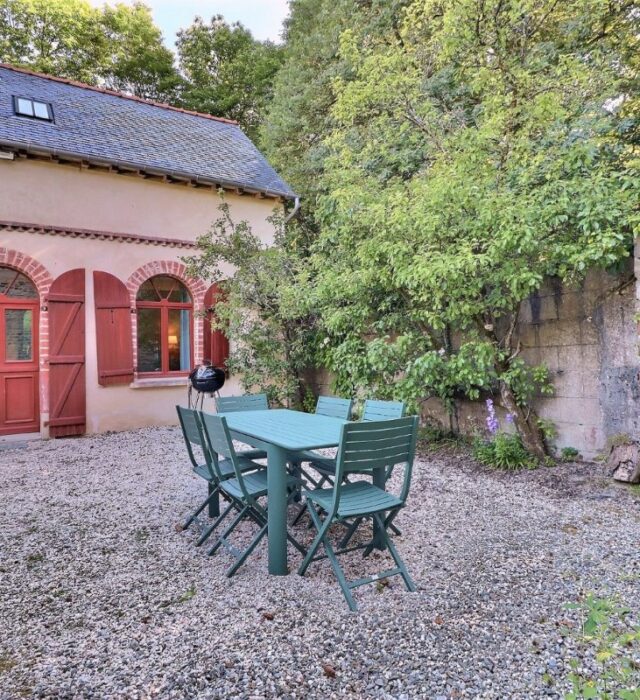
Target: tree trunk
<point>530,432</point>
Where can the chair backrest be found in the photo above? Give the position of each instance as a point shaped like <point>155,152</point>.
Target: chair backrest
<point>216,433</point>
<point>334,407</point>
<point>191,432</point>
<point>382,410</point>
<point>376,445</point>
<point>248,402</point>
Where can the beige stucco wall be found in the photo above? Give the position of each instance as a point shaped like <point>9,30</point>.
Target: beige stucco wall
<point>65,195</point>
<point>60,195</point>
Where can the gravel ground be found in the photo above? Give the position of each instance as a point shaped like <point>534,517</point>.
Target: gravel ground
<point>101,597</point>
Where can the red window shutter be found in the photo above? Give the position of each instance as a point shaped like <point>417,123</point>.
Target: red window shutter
<point>113,330</point>
<point>216,343</point>
<point>67,393</point>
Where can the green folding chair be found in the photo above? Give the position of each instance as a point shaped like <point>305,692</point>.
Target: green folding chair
<point>364,448</point>
<point>243,490</point>
<point>332,406</point>
<point>326,466</point>
<point>248,402</point>
<point>382,410</point>
<point>191,431</point>
<point>373,410</point>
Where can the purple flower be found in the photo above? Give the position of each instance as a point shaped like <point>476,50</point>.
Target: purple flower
<point>493,425</point>
<point>510,417</point>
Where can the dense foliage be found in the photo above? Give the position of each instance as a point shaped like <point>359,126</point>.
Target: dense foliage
<point>477,149</point>
<point>226,71</point>
<point>261,307</point>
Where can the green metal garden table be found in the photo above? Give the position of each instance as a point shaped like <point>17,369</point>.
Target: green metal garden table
<point>281,432</point>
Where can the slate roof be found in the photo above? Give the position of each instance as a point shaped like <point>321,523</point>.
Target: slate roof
<point>103,126</point>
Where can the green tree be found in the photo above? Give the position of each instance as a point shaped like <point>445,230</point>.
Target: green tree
<point>478,148</point>
<point>300,113</point>
<point>263,308</point>
<point>137,61</point>
<point>61,37</point>
<point>227,72</point>
<point>118,47</point>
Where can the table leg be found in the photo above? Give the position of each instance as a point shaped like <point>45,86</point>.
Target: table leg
<point>277,510</point>
<point>379,480</point>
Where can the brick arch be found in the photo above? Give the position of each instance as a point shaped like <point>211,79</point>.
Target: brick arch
<point>197,288</point>
<point>42,279</point>
<point>34,270</point>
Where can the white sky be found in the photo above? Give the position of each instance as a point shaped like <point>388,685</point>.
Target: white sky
<point>263,17</point>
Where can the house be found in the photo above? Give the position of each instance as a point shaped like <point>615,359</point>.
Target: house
<point>101,196</point>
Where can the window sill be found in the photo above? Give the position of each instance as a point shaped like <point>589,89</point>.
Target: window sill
<point>159,382</point>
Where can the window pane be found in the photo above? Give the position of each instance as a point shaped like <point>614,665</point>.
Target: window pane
<point>41,110</point>
<point>149,341</point>
<point>179,293</point>
<point>18,337</point>
<point>179,340</point>
<point>7,275</point>
<point>22,288</point>
<point>25,107</point>
<point>147,292</point>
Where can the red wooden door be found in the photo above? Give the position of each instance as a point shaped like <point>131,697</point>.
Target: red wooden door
<point>19,390</point>
<point>67,386</point>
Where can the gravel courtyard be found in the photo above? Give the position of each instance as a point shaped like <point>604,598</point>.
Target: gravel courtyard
<point>101,597</point>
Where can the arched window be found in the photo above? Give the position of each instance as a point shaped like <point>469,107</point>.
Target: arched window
<point>15,285</point>
<point>165,328</point>
<point>18,297</point>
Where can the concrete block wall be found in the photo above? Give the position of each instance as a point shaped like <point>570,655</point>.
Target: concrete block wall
<point>587,336</point>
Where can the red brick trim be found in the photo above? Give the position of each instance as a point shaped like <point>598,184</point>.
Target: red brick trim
<point>42,279</point>
<point>93,233</point>
<point>115,93</point>
<point>197,288</point>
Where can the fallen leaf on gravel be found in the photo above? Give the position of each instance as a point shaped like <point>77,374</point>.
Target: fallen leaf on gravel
<point>439,620</point>
<point>178,527</point>
<point>382,584</point>
<point>570,529</point>
<point>268,615</point>
<point>329,671</point>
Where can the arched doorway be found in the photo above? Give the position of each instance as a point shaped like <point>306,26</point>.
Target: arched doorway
<point>19,305</point>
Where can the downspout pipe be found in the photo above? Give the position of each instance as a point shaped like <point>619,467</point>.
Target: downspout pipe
<point>294,211</point>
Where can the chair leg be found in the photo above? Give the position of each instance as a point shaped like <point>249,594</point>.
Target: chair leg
<point>212,495</point>
<point>296,544</point>
<point>394,553</point>
<point>243,557</point>
<point>350,533</point>
<point>207,533</point>
<point>337,569</point>
<point>223,537</point>
<point>299,514</point>
<point>322,530</point>
<point>295,470</point>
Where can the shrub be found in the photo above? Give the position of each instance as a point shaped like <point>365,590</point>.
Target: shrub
<point>504,451</point>
<point>569,454</point>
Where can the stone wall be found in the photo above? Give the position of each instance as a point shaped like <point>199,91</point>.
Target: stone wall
<point>588,338</point>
